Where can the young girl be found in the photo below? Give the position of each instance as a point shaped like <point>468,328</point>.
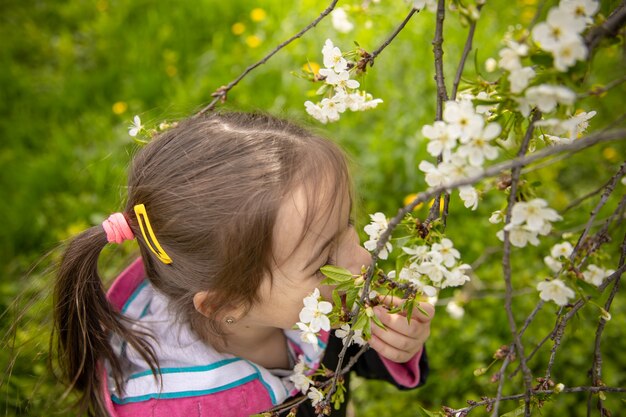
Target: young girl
<point>234,215</point>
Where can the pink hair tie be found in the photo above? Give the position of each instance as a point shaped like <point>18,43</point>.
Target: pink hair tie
<point>117,229</point>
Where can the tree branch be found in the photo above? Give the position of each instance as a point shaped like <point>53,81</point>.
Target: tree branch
<point>369,59</point>
<point>610,27</point>
<point>506,269</point>
<point>442,93</point>
<point>489,401</point>
<point>466,51</point>
<point>221,93</point>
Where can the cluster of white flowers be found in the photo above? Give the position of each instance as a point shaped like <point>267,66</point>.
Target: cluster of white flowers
<point>596,275</point>
<point>565,131</point>
<point>558,253</point>
<point>556,291</point>
<point>345,92</point>
<point>510,60</point>
<point>528,220</point>
<point>465,141</point>
<point>313,317</point>
<point>374,230</point>
<point>299,376</point>
<point>357,336</point>
<point>432,267</point>
<point>560,34</point>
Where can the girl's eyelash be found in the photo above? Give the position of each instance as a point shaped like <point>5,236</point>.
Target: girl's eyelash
<point>350,221</point>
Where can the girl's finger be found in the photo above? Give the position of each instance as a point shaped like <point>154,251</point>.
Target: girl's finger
<point>387,351</point>
<point>397,321</point>
<point>397,340</point>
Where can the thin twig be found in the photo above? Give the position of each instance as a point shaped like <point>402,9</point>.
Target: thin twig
<point>371,57</point>
<point>488,401</point>
<point>220,93</point>
<point>506,269</point>
<point>442,93</point>
<point>466,51</point>
<point>608,189</point>
<point>562,321</point>
<point>610,27</point>
<point>596,369</point>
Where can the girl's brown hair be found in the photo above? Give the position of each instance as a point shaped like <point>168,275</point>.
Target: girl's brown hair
<point>212,187</point>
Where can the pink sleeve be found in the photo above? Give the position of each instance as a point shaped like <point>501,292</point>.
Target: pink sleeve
<point>406,374</point>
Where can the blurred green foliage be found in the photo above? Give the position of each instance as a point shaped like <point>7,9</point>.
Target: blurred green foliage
<point>73,73</point>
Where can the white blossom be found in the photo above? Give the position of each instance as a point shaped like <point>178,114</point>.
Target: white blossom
<point>463,120</point>
<point>556,291</point>
<point>135,127</point>
<point>455,310</point>
<point>299,379</point>
<point>434,176</point>
<point>417,281</point>
<point>558,28</point>
<point>431,5</point>
<point>568,52</point>
<point>340,20</point>
<point>340,80</point>
<point>509,59</point>
<point>519,236</point>
<point>418,253</point>
<point>316,111</point>
<point>469,195</point>
<point>496,217</point>
<point>580,10</point>
<point>457,168</point>
<point>448,253</point>
<point>558,252</point>
<point>332,107</point>
<point>440,139</point>
<point>490,65</point>
<point>357,337</point>
<point>510,56</point>
<point>374,230</point>
<point>478,147</point>
<point>307,334</point>
<point>577,124</point>
<point>333,58</point>
<point>561,250</point>
<point>546,96</point>
<point>456,276</point>
<point>519,78</point>
<point>596,275</point>
<point>433,270</point>
<point>315,312</point>
<point>315,395</point>
<point>553,264</point>
<point>534,213</point>
<point>484,109</point>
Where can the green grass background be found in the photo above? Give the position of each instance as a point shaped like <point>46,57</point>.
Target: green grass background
<point>74,73</point>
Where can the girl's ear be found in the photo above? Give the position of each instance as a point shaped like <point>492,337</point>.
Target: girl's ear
<point>203,300</point>
<point>201,303</point>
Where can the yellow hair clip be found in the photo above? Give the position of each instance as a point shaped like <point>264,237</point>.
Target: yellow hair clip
<point>142,217</point>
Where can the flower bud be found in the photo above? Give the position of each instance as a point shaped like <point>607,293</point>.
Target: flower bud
<point>558,388</point>
<point>605,314</point>
<point>480,371</point>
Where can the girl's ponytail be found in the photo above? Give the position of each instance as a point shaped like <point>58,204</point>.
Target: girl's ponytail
<point>84,321</point>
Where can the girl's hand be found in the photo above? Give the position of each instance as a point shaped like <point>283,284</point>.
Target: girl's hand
<point>401,339</point>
